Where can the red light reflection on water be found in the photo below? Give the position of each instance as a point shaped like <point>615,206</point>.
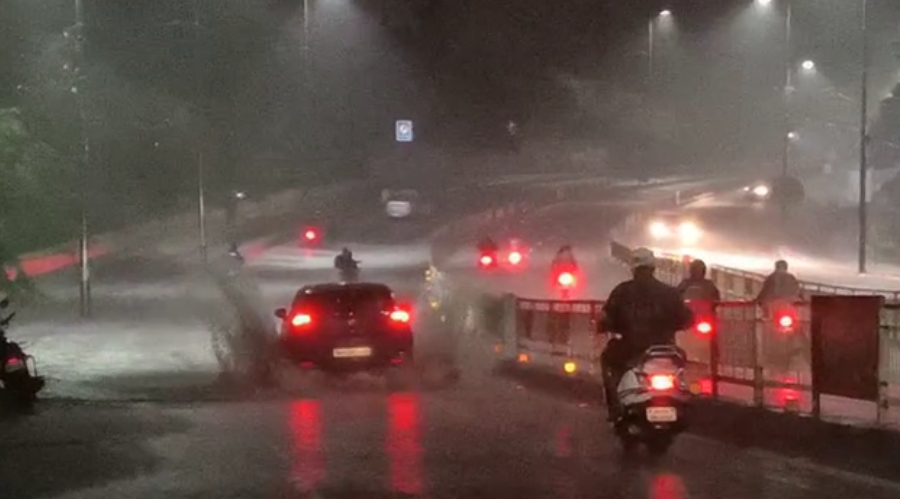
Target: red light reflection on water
<point>308,458</point>
<point>563,443</point>
<point>666,486</point>
<point>404,443</point>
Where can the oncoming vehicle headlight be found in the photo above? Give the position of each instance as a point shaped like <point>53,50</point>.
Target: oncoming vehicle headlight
<point>659,230</point>
<point>761,191</point>
<point>689,232</point>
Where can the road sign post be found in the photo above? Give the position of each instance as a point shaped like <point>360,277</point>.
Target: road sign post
<point>403,130</point>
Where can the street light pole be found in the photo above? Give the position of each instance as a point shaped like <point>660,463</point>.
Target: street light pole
<point>201,189</point>
<point>84,242</point>
<point>650,53</point>
<point>306,26</point>
<point>788,89</point>
<point>864,140</point>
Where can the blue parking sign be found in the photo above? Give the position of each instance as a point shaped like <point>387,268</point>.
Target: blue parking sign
<point>404,130</point>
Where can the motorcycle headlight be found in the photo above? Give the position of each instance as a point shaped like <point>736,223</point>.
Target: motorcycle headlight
<point>761,191</point>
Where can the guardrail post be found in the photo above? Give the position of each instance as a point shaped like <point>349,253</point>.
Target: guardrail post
<point>758,371</point>
<point>510,326</point>
<point>714,359</point>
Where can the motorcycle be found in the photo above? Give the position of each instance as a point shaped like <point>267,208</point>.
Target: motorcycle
<point>349,273</point>
<point>653,398</point>
<point>787,340</point>
<point>19,380</point>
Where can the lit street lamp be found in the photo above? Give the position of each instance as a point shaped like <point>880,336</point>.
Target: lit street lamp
<point>651,35</point>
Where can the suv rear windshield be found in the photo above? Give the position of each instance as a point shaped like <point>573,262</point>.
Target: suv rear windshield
<point>365,300</point>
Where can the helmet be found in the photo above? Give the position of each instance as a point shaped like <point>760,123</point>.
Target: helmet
<point>642,257</point>
<point>697,268</point>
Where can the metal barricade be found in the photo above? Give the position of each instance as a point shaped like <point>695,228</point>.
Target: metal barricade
<point>557,335</point>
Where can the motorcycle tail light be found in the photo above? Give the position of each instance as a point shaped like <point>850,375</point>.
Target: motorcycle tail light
<point>662,382</point>
<point>566,279</point>
<point>704,327</point>
<point>786,321</point>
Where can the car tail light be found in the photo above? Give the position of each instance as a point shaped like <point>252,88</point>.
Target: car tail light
<point>486,260</point>
<point>515,258</point>
<point>300,320</point>
<point>704,327</point>
<point>662,382</point>
<point>786,321</point>
<point>566,279</point>
<point>310,235</point>
<point>400,316</point>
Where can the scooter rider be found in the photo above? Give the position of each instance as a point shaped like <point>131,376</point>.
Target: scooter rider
<point>564,259</point>
<point>696,286</point>
<point>234,253</point>
<point>487,245</point>
<point>780,285</point>
<point>643,312</point>
<point>344,260</point>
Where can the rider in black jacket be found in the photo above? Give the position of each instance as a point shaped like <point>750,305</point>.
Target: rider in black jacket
<point>644,312</point>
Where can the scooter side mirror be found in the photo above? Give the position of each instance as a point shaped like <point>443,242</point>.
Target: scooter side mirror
<point>281,313</point>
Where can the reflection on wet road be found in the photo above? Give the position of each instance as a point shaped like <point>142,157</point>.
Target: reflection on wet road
<point>486,437</point>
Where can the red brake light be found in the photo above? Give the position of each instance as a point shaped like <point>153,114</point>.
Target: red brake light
<point>786,321</point>
<point>704,327</point>
<point>662,382</point>
<point>566,279</point>
<point>515,258</point>
<point>486,260</point>
<point>310,235</point>
<point>401,316</point>
<point>300,320</point>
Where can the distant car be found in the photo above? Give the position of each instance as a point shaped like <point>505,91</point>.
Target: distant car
<point>405,203</point>
<point>788,190</point>
<point>758,191</point>
<point>674,228</point>
<point>346,327</point>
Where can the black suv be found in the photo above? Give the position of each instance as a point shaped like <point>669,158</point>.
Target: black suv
<point>346,327</point>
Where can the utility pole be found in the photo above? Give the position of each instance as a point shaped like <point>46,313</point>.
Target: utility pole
<point>788,89</point>
<point>76,36</point>
<point>201,188</point>
<point>864,141</point>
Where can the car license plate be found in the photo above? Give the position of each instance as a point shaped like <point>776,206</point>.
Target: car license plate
<point>662,414</point>
<point>354,352</point>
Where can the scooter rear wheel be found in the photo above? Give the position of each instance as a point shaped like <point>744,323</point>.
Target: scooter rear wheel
<point>658,445</point>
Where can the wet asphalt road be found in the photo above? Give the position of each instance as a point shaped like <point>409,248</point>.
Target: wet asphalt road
<point>485,436</point>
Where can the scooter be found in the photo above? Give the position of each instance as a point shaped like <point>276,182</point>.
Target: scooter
<point>19,380</point>
<point>653,400</point>
<point>350,274</point>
